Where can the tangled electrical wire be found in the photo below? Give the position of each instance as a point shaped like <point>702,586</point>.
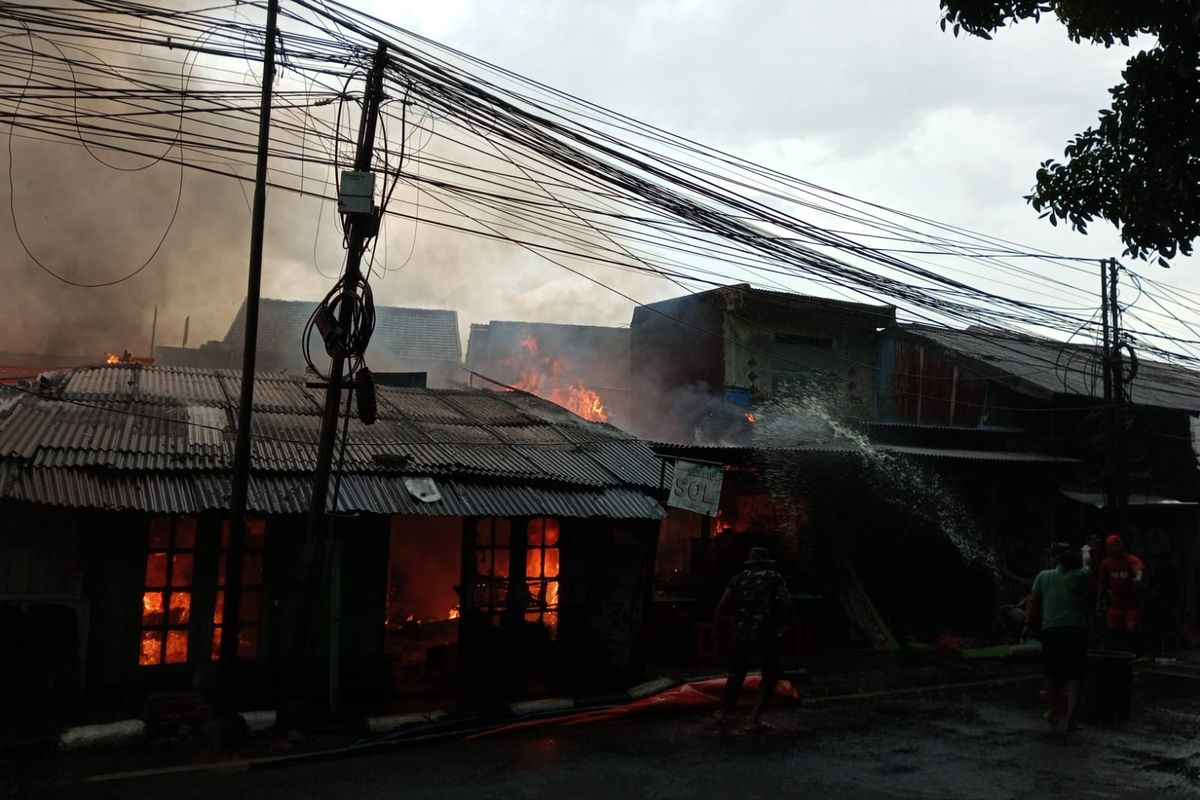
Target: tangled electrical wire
<point>344,321</point>
<point>491,154</point>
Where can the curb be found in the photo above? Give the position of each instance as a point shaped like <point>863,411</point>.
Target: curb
<point>384,727</point>
<point>107,734</point>
<point>428,728</point>
<point>391,722</point>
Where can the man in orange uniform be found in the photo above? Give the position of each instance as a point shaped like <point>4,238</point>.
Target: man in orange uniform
<point>1120,585</point>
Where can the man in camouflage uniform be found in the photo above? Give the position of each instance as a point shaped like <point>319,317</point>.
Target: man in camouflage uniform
<point>761,601</point>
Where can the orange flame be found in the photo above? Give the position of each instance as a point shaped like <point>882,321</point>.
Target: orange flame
<point>546,377</point>
<point>112,358</point>
<point>751,418</point>
<point>584,402</point>
<point>453,614</point>
<point>177,647</point>
<point>720,524</point>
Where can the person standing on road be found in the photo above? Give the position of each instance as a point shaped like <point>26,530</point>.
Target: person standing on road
<point>761,601</point>
<point>1057,601</point>
<point>1120,586</point>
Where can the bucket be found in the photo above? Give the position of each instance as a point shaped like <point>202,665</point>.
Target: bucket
<point>1108,686</point>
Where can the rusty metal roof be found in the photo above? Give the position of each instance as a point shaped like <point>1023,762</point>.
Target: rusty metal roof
<point>161,438</point>
<point>1044,367</point>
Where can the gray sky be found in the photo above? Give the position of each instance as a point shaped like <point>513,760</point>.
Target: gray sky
<point>870,97</point>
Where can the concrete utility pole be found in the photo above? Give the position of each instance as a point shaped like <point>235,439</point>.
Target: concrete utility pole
<point>241,459</point>
<point>1116,490</point>
<point>360,229</point>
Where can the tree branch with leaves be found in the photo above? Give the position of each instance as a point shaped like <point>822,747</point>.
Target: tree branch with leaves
<point>1138,167</point>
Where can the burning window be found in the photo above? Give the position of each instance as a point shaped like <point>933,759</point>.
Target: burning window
<point>517,573</point>
<point>541,572</point>
<point>251,601</point>
<point>167,590</point>
<point>492,550</point>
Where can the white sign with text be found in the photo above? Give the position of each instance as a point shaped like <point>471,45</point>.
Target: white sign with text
<point>696,487</point>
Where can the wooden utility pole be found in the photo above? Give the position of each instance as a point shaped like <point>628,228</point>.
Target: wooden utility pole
<point>153,333</point>
<point>241,458</point>
<point>360,229</point>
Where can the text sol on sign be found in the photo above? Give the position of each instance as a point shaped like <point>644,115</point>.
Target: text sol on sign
<point>696,487</point>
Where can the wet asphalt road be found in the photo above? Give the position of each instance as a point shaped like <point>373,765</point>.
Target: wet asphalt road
<point>987,743</point>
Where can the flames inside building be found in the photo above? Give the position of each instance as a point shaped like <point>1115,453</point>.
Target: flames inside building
<point>583,368</point>
<point>551,377</point>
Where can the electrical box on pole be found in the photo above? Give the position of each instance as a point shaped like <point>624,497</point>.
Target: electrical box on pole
<point>356,192</point>
<point>356,200</point>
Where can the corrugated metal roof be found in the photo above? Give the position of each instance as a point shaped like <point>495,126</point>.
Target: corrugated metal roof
<point>419,405</point>
<point>1097,499</point>
<point>926,426</point>
<point>975,455</point>
<point>1058,368</point>
<point>193,493</point>
<point>275,393</point>
<point>722,453</point>
<point>155,438</point>
<point>115,382</point>
<point>170,385</point>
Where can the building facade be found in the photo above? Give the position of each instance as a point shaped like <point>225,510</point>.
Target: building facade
<point>483,544</point>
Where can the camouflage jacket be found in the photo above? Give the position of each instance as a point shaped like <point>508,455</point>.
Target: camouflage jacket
<point>755,595</point>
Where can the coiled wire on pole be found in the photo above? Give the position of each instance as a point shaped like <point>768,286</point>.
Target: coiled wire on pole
<point>348,341</point>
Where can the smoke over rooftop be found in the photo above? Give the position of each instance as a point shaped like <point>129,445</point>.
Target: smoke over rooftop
<point>94,215</point>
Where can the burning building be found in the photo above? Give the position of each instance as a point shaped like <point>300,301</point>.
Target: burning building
<point>904,462</point>
<point>583,368</point>
<point>486,543</point>
<point>405,340</point>
<point>702,361</point>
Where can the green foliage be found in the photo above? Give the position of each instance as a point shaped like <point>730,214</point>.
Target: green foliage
<point>1139,166</point>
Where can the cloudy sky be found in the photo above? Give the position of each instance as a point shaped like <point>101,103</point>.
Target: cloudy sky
<point>870,98</point>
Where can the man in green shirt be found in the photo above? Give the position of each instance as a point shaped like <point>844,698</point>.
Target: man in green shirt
<point>1058,601</point>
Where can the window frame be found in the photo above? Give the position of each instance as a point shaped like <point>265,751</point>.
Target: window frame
<point>496,587</point>
<point>254,544</point>
<point>538,608</point>
<point>170,550</point>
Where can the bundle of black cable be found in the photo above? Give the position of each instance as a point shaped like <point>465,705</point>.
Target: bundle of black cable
<point>345,319</point>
